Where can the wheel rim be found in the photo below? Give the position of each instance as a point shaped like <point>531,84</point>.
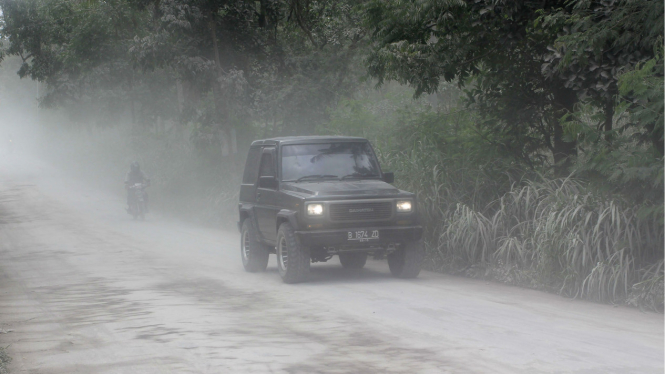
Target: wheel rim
<point>245,246</point>
<point>282,254</point>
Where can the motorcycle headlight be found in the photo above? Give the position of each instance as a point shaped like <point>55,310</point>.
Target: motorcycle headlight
<point>314,209</point>
<point>404,206</point>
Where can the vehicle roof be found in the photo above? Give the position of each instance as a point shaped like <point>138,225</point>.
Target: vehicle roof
<point>306,140</point>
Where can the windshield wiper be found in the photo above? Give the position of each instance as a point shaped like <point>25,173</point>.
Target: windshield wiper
<point>356,175</point>
<point>317,176</point>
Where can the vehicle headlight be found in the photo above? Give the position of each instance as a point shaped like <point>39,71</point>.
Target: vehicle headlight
<point>404,206</point>
<point>314,209</point>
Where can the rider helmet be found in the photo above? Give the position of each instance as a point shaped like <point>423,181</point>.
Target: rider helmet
<point>135,166</point>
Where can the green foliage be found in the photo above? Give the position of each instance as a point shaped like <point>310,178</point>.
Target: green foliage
<point>597,43</point>
<point>642,90</point>
<point>527,64</point>
<point>604,35</point>
<point>628,159</point>
<point>494,49</point>
<point>72,46</point>
<point>278,63</point>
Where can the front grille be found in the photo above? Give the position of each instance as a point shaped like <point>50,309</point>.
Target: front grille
<point>364,211</point>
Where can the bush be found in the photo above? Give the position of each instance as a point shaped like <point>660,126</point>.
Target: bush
<point>560,236</point>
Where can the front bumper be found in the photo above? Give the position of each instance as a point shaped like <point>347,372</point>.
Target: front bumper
<point>339,237</point>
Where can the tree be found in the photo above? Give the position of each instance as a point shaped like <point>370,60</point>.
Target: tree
<point>75,48</point>
<point>279,63</point>
<point>508,55</point>
<point>275,63</point>
<point>598,42</point>
<point>485,45</point>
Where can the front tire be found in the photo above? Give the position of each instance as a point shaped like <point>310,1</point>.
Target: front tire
<point>254,255</point>
<point>293,259</point>
<point>407,261</point>
<point>354,260</point>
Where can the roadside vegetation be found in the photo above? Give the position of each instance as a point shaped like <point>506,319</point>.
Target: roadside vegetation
<point>532,133</point>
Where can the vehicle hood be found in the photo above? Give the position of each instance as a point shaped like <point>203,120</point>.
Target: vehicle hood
<point>343,188</point>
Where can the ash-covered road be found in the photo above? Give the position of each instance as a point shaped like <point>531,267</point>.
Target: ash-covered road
<point>84,289</point>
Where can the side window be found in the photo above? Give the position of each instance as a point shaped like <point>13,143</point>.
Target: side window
<point>251,166</point>
<point>267,168</point>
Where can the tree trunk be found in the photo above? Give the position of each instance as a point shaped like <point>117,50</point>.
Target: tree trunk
<point>564,152</point>
<point>221,109</point>
<point>215,47</point>
<point>609,117</point>
<point>263,23</point>
<point>656,135</point>
<point>131,99</point>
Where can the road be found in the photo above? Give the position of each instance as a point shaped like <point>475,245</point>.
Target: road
<point>84,289</point>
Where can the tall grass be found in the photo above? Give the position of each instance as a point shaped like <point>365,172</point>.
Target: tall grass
<point>557,235</point>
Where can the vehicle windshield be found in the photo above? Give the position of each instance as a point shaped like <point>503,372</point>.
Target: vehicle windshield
<point>328,160</point>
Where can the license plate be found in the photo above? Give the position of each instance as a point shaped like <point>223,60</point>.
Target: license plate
<point>363,235</point>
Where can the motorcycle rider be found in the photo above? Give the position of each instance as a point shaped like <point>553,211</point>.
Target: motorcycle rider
<point>136,175</point>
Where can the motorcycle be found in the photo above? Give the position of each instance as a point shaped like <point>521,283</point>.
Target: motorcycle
<point>137,203</point>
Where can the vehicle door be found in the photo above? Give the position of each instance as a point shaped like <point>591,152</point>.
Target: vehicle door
<point>267,196</point>
<point>250,176</point>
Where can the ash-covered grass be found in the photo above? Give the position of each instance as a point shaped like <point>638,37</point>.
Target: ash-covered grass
<point>558,236</point>
<point>4,360</point>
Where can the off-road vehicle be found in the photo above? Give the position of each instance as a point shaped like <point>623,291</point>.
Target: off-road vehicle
<point>309,198</point>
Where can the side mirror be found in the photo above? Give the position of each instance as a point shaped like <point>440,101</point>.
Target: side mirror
<point>389,177</point>
<point>269,182</point>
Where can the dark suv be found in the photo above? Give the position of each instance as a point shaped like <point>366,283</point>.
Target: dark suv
<point>309,198</point>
